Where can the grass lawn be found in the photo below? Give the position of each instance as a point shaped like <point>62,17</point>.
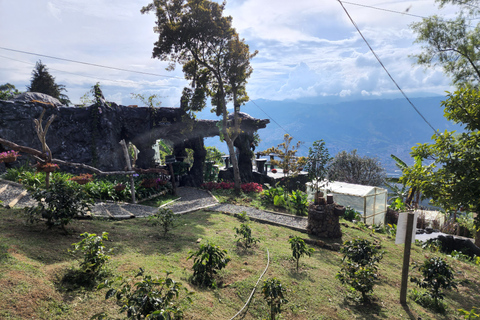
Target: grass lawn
<point>34,259</point>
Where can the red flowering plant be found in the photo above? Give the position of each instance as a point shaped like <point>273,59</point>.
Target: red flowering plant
<point>9,156</point>
<point>252,187</point>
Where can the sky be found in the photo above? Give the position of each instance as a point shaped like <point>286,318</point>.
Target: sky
<point>308,49</point>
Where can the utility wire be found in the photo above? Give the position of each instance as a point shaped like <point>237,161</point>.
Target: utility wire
<point>382,9</point>
<point>384,68</point>
<point>90,64</point>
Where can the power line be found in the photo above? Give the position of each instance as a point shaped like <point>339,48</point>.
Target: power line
<point>90,64</point>
<point>384,68</point>
<point>382,9</point>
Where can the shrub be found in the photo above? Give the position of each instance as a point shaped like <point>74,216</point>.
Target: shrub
<point>59,204</point>
<point>244,234</point>
<point>359,266</point>
<point>299,249</point>
<point>273,291</point>
<point>252,187</point>
<point>351,214</point>
<point>149,298</point>
<point>472,314</point>
<point>92,268</point>
<point>165,218</point>
<point>299,201</point>
<point>437,275</point>
<point>208,260</point>
<point>272,194</point>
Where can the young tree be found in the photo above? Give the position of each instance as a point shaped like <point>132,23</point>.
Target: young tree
<point>43,82</point>
<point>196,35</point>
<point>317,161</point>
<point>287,154</point>
<point>8,91</point>
<point>352,168</point>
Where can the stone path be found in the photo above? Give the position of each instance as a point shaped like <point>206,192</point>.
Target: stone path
<point>13,195</point>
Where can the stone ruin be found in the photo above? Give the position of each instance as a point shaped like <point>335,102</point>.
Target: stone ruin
<point>91,135</point>
<point>324,220</point>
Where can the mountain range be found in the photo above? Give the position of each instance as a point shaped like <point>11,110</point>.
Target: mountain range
<point>375,127</point>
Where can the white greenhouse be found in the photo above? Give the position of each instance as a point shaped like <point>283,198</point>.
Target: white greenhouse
<point>370,201</point>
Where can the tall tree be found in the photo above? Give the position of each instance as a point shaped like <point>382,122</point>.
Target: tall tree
<point>43,82</point>
<point>452,179</point>
<point>196,35</point>
<point>352,168</point>
<point>452,43</point>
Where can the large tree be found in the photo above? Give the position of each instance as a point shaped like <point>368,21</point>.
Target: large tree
<point>196,35</point>
<point>43,82</point>
<point>452,179</point>
<point>350,167</point>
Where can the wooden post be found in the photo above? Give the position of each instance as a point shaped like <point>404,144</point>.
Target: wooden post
<point>129,167</point>
<point>406,258</point>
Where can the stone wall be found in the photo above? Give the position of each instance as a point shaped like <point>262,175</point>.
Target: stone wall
<point>324,221</point>
<point>91,135</point>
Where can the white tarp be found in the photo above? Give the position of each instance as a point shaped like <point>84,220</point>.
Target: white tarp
<point>370,201</point>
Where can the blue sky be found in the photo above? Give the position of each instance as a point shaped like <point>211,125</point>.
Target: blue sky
<point>307,48</point>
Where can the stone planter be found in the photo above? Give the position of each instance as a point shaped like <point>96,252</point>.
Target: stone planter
<point>323,222</point>
<point>339,210</point>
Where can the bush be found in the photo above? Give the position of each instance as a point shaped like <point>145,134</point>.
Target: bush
<point>351,214</point>
<point>437,275</point>
<point>273,291</point>
<point>93,266</point>
<point>299,202</point>
<point>244,234</point>
<point>299,249</point>
<point>359,266</point>
<point>149,298</point>
<point>208,260</point>
<point>59,204</point>
<point>165,218</point>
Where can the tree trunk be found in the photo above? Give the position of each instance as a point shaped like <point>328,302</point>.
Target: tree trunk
<point>234,162</point>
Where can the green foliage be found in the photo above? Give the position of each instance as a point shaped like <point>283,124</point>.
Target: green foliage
<point>43,82</point>
<point>149,298</point>
<point>437,275</point>
<point>351,214</point>
<point>8,91</point>
<point>213,154</point>
<point>180,168</point>
<point>95,258</point>
<point>4,255</point>
<point>472,314</point>
<point>59,204</point>
<point>270,194</point>
<point>299,249</point>
<point>208,260</point>
<point>150,101</point>
<point>273,292</point>
<point>165,218</point>
<point>317,163</point>
<point>352,168</point>
<point>287,154</point>
<point>359,266</point>
<point>243,216</point>
<point>299,201</point>
<point>244,234</point>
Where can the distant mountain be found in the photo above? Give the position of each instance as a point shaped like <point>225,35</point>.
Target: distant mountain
<point>374,127</point>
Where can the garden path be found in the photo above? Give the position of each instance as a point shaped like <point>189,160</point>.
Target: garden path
<point>13,195</point>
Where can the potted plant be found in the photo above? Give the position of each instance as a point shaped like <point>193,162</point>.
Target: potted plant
<point>317,161</point>
<point>120,187</point>
<point>47,167</point>
<point>9,156</point>
<point>83,178</point>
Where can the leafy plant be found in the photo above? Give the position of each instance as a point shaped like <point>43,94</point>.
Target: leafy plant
<point>165,218</point>
<point>359,266</point>
<point>437,275</point>
<point>208,260</point>
<point>299,248</point>
<point>273,292</point>
<point>269,195</point>
<point>94,261</point>
<point>351,214</point>
<point>244,234</point>
<point>243,216</point>
<point>317,163</point>
<point>472,314</point>
<point>299,201</point>
<point>149,298</point>
<point>59,204</point>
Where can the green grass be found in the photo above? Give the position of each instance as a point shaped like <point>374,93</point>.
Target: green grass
<point>37,258</point>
